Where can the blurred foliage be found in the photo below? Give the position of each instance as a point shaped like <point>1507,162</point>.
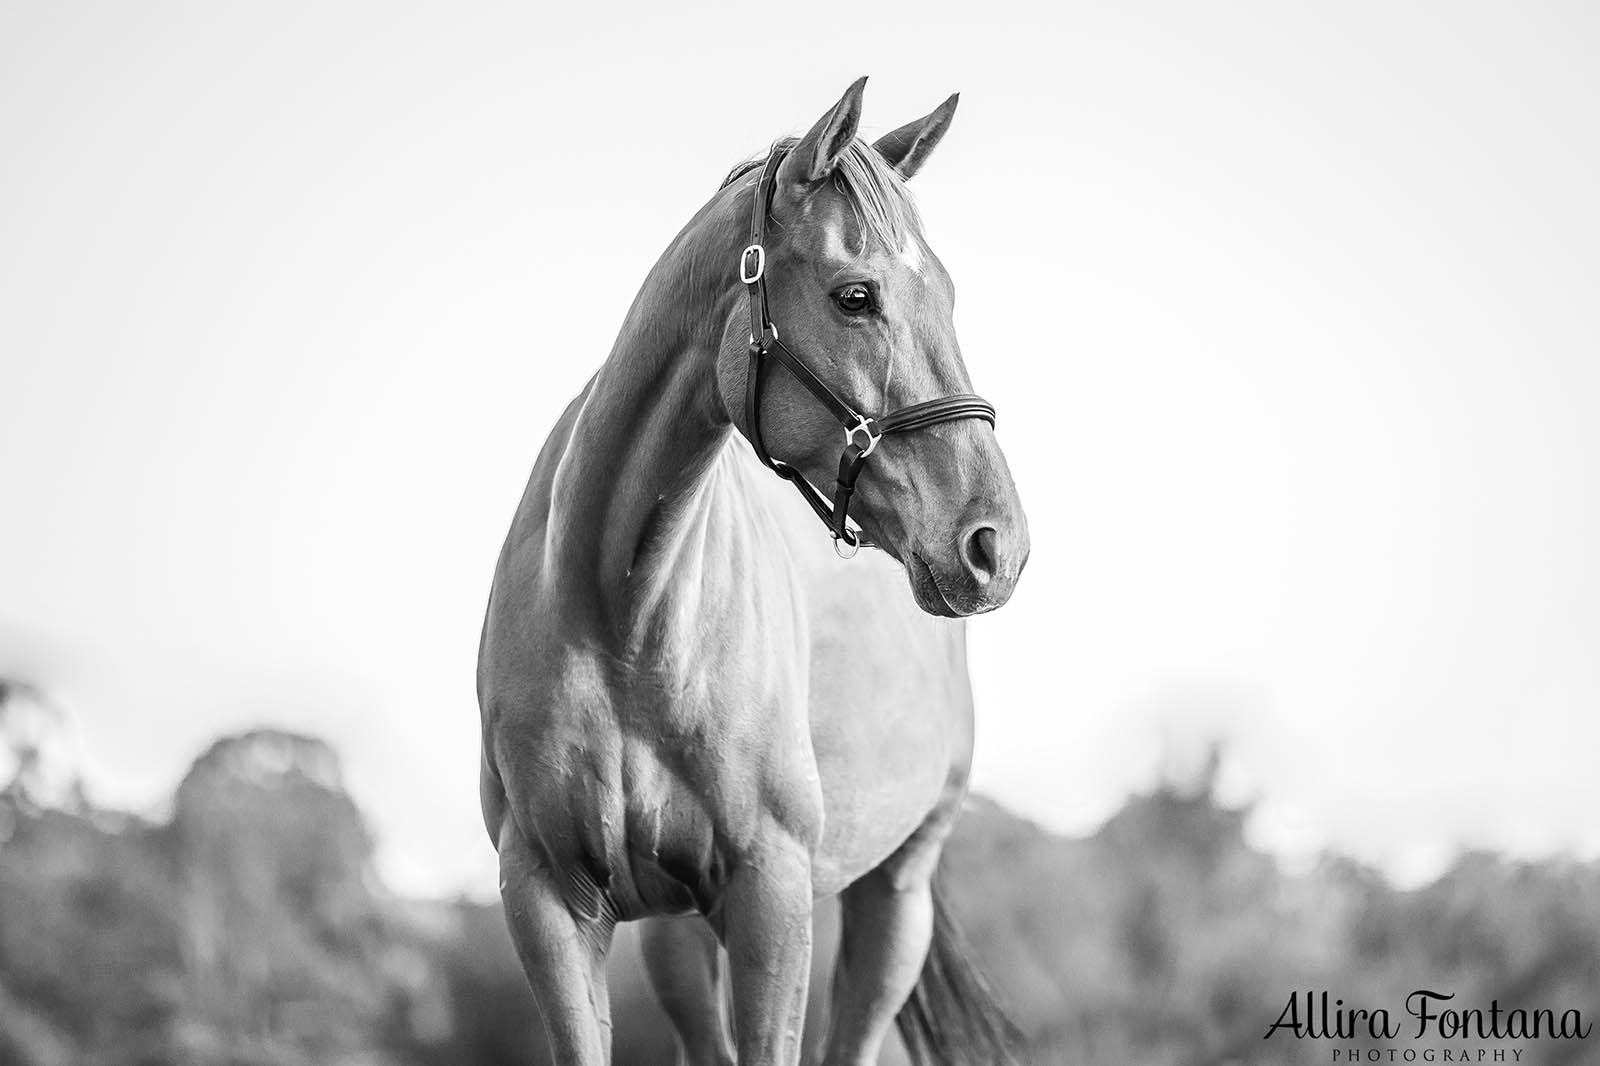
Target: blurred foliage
<point>249,930</point>
<point>1165,938</point>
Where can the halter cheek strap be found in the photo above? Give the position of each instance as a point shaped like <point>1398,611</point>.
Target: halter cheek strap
<point>861,432</point>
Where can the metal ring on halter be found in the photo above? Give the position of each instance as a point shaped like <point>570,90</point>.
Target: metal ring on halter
<point>771,327</point>
<point>750,277</point>
<point>848,540</point>
<point>863,426</point>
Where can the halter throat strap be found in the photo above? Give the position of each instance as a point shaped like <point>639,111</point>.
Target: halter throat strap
<point>861,432</point>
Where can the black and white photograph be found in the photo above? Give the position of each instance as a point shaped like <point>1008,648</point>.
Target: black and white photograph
<point>905,534</point>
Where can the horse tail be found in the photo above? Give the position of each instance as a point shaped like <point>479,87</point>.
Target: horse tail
<point>953,1017</point>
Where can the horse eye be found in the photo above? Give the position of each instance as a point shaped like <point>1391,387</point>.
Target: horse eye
<point>854,299</point>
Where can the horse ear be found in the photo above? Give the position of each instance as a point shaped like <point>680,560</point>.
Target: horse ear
<point>817,153</point>
<point>908,147</point>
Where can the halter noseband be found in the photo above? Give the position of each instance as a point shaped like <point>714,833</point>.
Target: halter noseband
<point>861,432</point>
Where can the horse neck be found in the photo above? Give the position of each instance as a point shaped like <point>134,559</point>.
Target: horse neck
<point>647,510</point>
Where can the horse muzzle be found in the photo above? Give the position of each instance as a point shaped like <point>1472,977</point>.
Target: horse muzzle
<point>976,573</point>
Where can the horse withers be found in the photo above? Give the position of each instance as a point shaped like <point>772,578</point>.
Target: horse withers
<point>691,705</point>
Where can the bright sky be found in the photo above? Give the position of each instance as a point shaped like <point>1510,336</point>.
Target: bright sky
<point>1290,314</point>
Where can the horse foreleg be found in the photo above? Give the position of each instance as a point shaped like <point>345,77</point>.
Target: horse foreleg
<point>886,925</point>
<point>680,958</point>
<point>765,922</point>
<point>563,954</point>
<point>886,921</point>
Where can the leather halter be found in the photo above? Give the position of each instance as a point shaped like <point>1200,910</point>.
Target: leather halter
<point>861,432</point>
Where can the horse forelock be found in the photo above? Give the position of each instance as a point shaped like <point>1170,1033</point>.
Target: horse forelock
<point>882,204</point>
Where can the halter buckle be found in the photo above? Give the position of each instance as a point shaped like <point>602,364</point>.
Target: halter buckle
<point>865,425</point>
<point>767,335</point>
<point>748,273</point>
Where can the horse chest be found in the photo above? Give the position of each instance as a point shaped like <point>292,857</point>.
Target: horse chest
<point>702,786</point>
<point>871,770</point>
<point>661,769</point>
<point>667,782</point>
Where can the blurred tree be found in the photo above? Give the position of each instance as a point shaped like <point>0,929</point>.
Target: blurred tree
<point>284,941</point>
<point>39,764</point>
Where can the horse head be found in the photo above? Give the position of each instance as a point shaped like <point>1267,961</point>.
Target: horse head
<point>852,287</point>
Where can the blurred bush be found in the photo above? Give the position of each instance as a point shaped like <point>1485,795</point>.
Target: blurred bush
<point>249,930</point>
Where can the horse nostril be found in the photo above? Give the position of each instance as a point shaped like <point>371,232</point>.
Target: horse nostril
<point>980,554</point>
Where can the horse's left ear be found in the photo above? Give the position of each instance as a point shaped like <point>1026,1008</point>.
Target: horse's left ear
<point>908,147</point>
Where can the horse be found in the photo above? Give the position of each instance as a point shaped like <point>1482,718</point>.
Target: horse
<point>696,714</point>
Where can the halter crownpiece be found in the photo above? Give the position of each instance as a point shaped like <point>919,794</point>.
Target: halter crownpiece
<point>861,432</point>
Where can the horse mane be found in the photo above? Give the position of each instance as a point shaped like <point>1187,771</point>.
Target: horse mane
<point>878,195</point>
